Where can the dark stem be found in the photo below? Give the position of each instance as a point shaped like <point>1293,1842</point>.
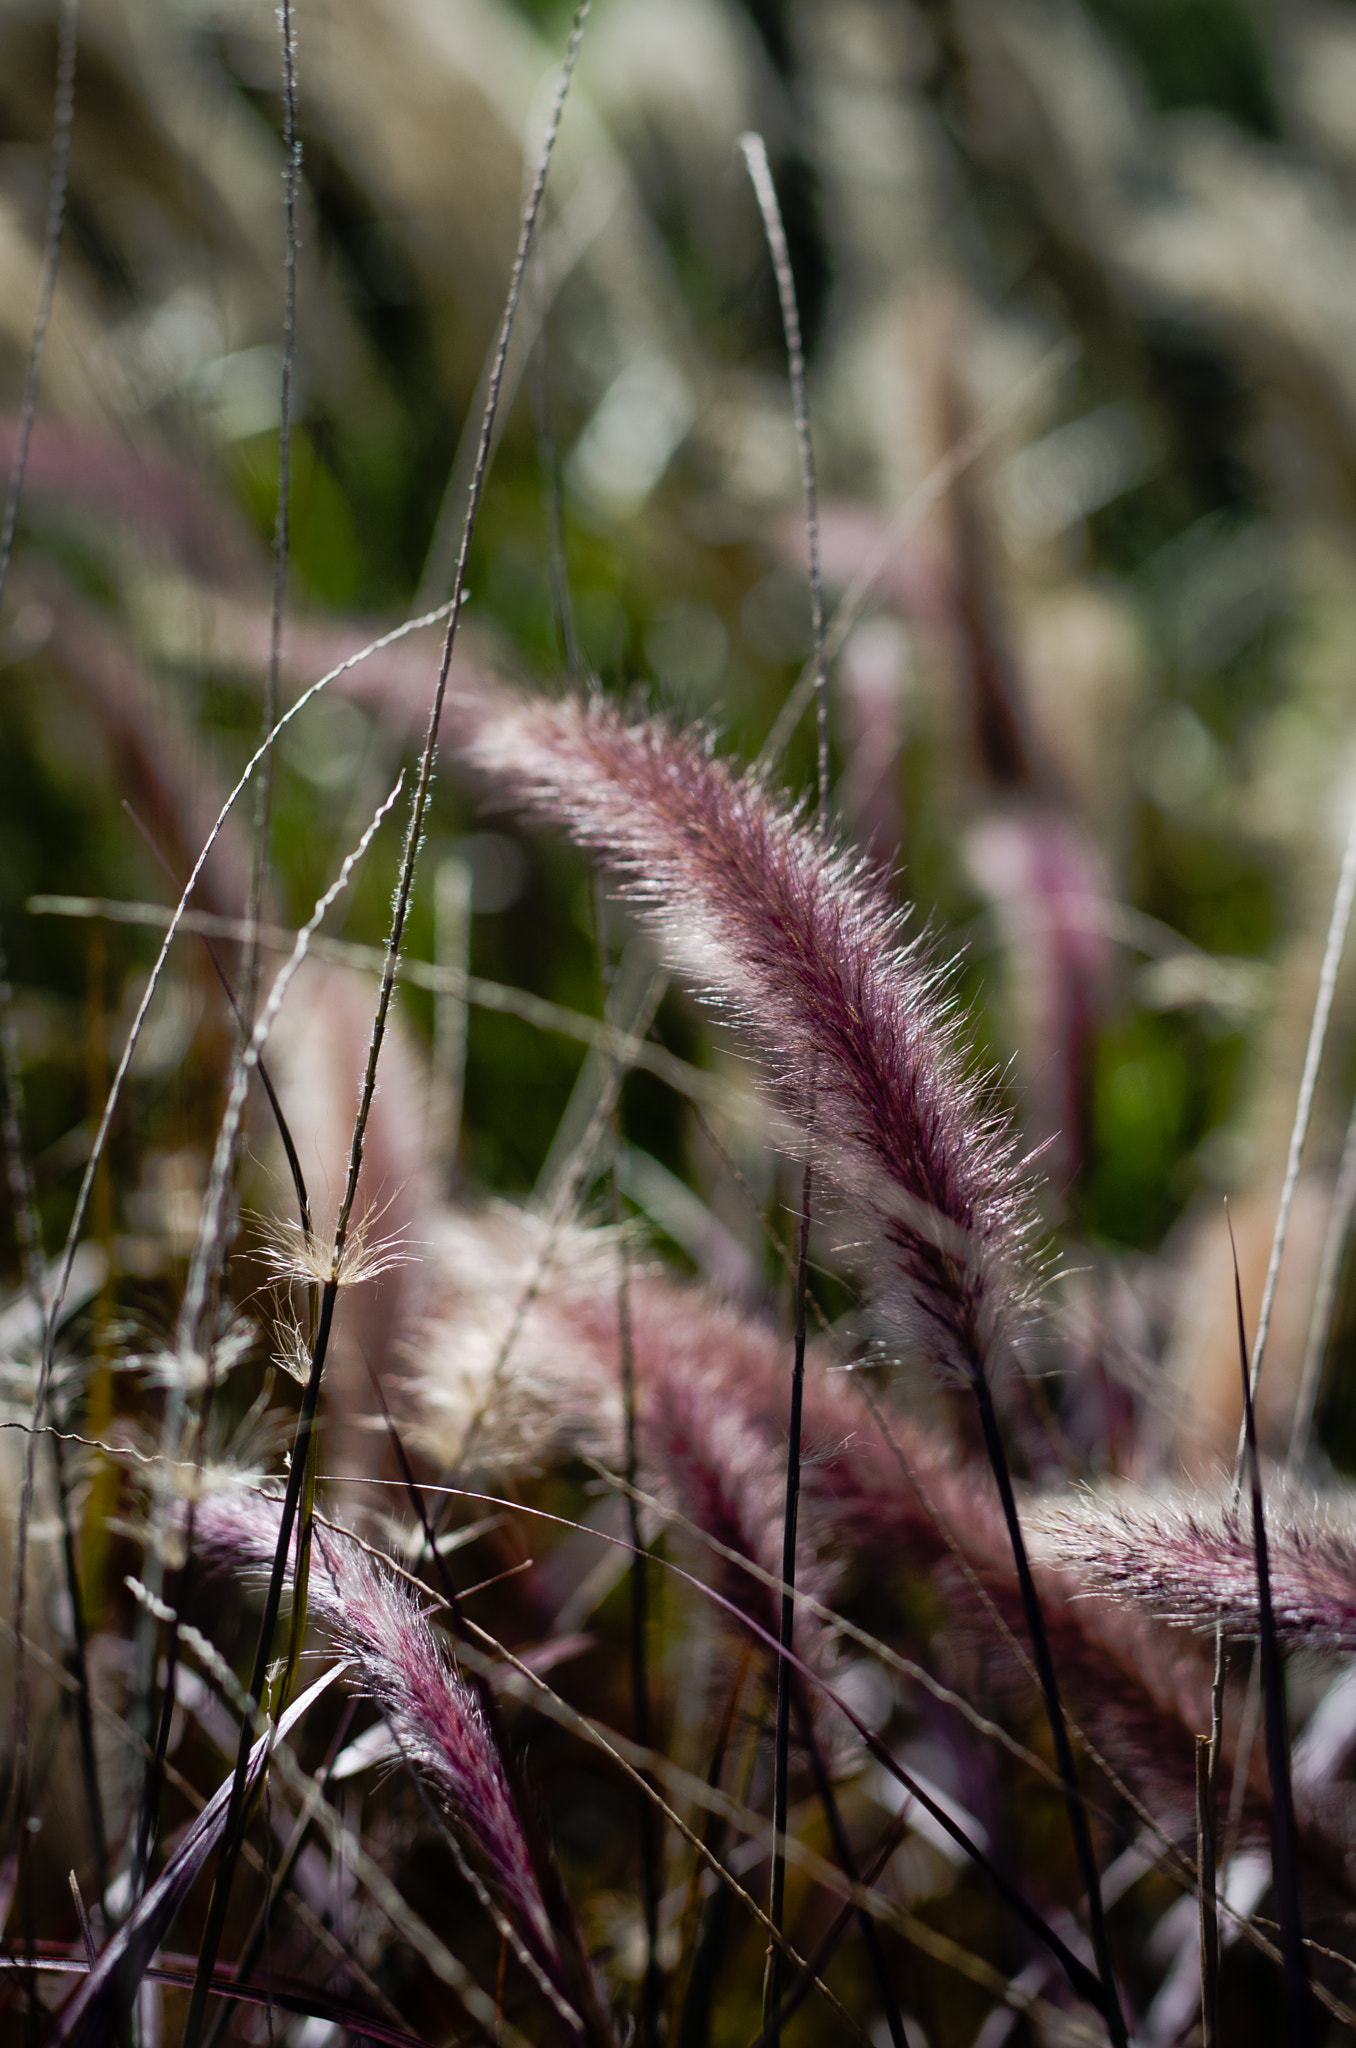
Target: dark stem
<point>157,1756</point>
<point>782,1741</point>
<point>233,1829</point>
<point>1045,1669</point>
<point>814,1967</point>
<point>559,1911</point>
<point>79,1663</point>
<point>847,1863</point>
<point>705,1946</point>
<point>1083,1981</point>
<point>156,1762</point>
<point>694,2029</point>
<point>254,1940</point>
<point>1205,1868</point>
<point>1299,2025</point>
<point>415,832</point>
<point>640,1628</point>
<point>1215,1754</point>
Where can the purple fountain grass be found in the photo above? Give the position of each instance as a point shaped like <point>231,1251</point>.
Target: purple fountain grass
<point>1191,1561</point>
<point>710,1392</point>
<point>376,1622</point>
<point>722,1465</point>
<point>798,941</point>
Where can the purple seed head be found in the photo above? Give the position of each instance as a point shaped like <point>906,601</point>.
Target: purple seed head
<point>798,942</point>
<point>375,1620</point>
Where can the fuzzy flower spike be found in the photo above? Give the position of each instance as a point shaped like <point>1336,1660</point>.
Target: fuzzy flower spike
<point>437,1723</point>
<point>1191,1561</point>
<point>797,941</point>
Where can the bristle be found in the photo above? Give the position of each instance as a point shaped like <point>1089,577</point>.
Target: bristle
<point>798,942</point>
<point>710,1391</point>
<point>1191,1561</point>
<point>375,1621</point>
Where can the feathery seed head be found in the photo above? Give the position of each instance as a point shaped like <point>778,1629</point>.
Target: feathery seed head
<point>376,1622</point>
<point>291,1252</point>
<point>1191,1560</point>
<point>797,941</point>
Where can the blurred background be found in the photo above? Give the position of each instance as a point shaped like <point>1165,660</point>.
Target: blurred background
<point>1079,300</point>
<point>1078,286</point>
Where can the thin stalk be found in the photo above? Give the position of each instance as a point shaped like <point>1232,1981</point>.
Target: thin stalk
<point>301,1472</point>
<point>1205,1866</point>
<point>419,805</point>
<point>554,1897</point>
<point>782,1741</point>
<point>1045,1668</point>
<point>651,1990</point>
<point>157,1754</point>
<point>1334,946</point>
<point>847,1863</point>
<point>803,1984</point>
<point>697,1084</point>
<point>760,176</point>
<point>249,976</point>
<point>1299,2021</point>
<point>1325,1299</point>
<point>156,1761</point>
<point>1333,949</point>
<point>1210,1909</point>
<point>233,1831</point>
<point>279,1120</point>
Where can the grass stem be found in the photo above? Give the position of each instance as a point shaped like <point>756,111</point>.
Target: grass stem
<point>1045,1668</point>
<point>790,1521</point>
<point>1205,1868</point>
